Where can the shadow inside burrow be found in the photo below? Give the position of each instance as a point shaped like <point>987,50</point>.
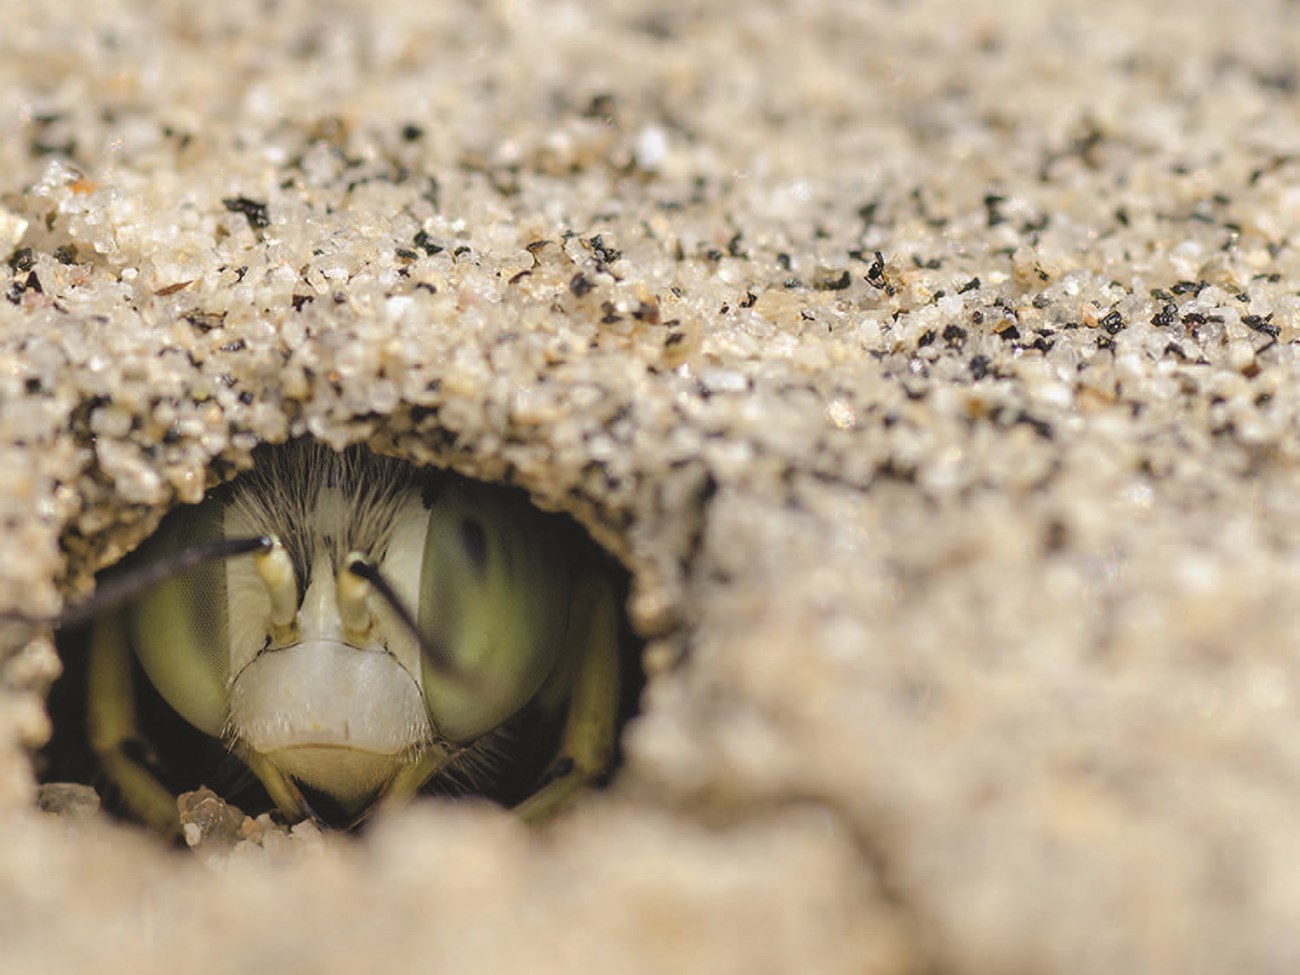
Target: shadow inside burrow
<point>183,759</point>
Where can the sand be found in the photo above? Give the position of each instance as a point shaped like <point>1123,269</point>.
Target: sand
<point>931,368</point>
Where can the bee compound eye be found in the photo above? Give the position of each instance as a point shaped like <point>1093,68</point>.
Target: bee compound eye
<point>474,541</point>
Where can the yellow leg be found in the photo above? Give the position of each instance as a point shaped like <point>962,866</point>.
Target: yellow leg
<point>111,726</point>
<point>408,782</point>
<point>286,796</point>
<point>590,727</point>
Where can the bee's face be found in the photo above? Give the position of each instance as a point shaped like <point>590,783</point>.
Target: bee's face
<point>298,663</point>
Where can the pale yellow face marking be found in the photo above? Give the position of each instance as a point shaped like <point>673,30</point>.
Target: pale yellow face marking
<point>275,569</point>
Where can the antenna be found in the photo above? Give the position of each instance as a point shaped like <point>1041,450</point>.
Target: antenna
<point>120,589</point>
<point>434,649</point>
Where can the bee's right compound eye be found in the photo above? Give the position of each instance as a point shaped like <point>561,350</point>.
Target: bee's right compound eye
<point>494,594</point>
<point>179,628</point>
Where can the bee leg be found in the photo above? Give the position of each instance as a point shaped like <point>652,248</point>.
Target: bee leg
<point>286,796</point>
<point>590,727</point>
<point>111,727</point>
<point>407,783</point>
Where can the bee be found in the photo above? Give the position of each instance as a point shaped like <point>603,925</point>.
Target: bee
<point>353,628</point>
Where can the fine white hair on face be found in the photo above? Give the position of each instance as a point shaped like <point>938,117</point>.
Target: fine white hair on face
<point>348,499</point>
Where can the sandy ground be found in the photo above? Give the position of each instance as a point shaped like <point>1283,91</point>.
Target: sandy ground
<point>931,367</point>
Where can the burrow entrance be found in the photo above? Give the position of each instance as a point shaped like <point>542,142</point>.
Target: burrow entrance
<point>289,487</point>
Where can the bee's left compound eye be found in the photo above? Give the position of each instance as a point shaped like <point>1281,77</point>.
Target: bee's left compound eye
<point>179,628</point>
